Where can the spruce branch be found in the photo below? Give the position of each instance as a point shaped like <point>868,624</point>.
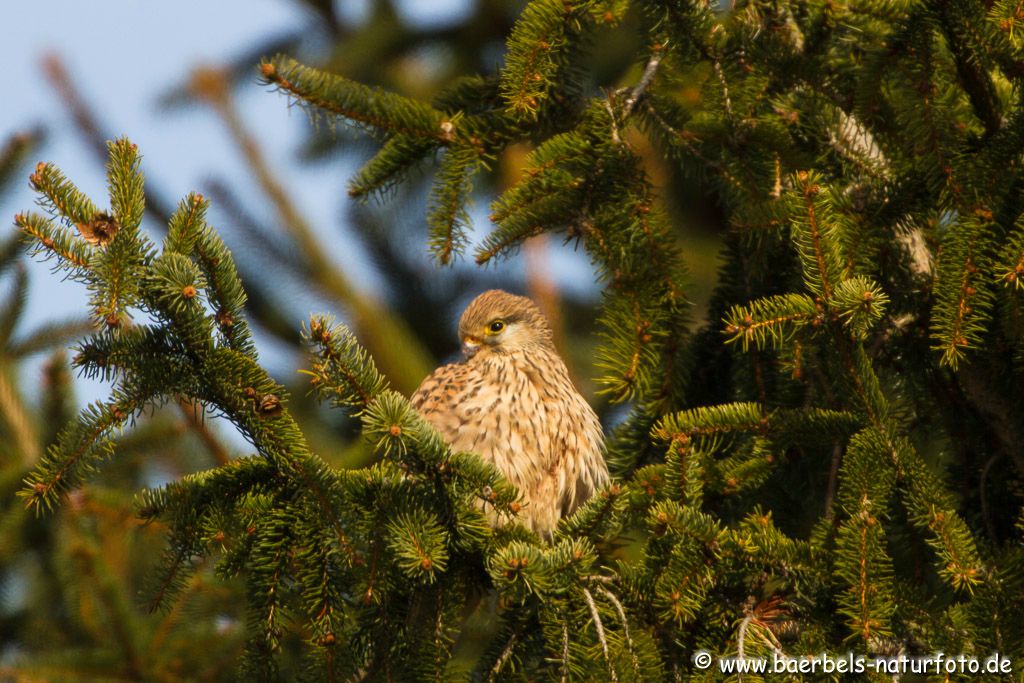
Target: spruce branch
<point>860,303</point>
<point>597,518</point>
<point>79,449</point>
<point>1005,16</point>
<point>564,671</point>
<point>726,99</point>
<point>224,292</point>
<point>126,184</point>
<point>860,376</point>
<point>629,349</point>
<point>403,357</point>
<point>814,232</point>
<point>599,628</point>
<point>55,241</point>
<point>690,24</point>
<point>772,321</point>
<point>928,119</point>
<point>503,658</point>
<point>345,373</point>
<point>539,53</point>
<point>177,570</point>
<point>420,544</point>
<point>233,383</point>
<point>645,81</point>
<point>11,312</point>
<point>390,165</point>
<point>185,225</point>
<point>962,25</point>
<point>963,293</point>
<point>547,197</point>
<point>1011,258</point>
<point>929,506</point>
<point>864,564</point>
<point>188,235</point>
<point>854,140</point>
<point>62,197</point>
<point>682,142</point>
<point>711,421</point>
<point>13,153</point>
<point>448,219</point>
<point>624,620</point>
<point>375,108</point>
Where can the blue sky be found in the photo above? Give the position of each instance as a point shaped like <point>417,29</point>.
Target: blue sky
<point>123,56</point>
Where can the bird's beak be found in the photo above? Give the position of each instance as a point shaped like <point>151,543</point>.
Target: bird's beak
<point>470,345</point>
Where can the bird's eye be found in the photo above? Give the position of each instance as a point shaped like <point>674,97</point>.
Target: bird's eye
<point>496,326</point>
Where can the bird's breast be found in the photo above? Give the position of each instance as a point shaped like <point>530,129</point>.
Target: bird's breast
<point>520,412</point>
<point>507,417</point>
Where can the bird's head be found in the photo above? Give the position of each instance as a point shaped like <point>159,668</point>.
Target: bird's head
<point>499,322</point>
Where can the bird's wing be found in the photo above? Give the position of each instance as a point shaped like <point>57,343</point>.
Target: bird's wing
<point>583,459</point>
<point>439,397</point>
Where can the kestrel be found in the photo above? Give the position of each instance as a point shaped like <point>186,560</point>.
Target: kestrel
<point>511,401</point>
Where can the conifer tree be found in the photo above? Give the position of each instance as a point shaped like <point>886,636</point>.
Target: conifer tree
<point>811,469</point>
<point>69,583</point>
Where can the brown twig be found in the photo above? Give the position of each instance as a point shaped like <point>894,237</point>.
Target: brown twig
<point>88,125</point>
<point>833,478</point>
<point>645,81</point>
<point>599,627</point>
<point>400,354</point>
<point>192,412</point>
<point>505,654</point>
<point>12,412</point>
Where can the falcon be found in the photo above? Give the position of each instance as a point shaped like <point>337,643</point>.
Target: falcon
<point>511,400</point>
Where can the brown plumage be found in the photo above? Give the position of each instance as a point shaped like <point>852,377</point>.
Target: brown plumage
<point>511,401</point>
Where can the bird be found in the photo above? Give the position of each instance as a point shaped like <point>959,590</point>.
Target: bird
<point>511,400</point>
